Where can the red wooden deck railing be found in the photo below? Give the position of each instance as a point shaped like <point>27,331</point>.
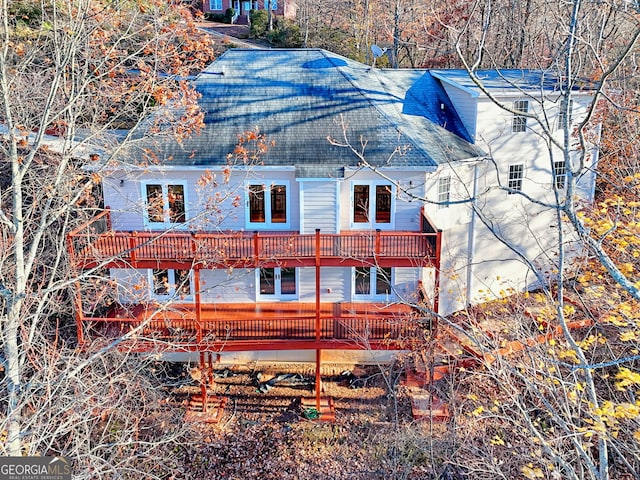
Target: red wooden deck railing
<point>265,325</point>
<point>95,244</point>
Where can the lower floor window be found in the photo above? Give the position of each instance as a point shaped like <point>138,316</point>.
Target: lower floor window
<point>372,281</point>
<point>277,282</point>
<point>170,283</point>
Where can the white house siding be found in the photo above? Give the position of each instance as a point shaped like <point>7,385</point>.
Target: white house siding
<point>228,286</point>
<point>319,201</point>
<point>405,283</point>
<point>333,284</point>
<point>478,267</point>
<point>215,204</point>
<point>132,285</point>
<point>407,215</point>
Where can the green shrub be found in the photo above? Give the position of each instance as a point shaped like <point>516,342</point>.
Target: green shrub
<point>228,15</point>
<point>286,34</point>
<point>215,17</point>
<point>259,23</point>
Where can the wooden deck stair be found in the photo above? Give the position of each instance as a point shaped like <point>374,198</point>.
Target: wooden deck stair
<point>455,350</point>
<point>205,410</point>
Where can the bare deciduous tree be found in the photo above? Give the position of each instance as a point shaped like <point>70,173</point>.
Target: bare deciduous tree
<point>70,74</point>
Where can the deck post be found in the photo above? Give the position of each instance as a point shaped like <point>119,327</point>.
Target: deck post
<point>318,387</point>
<point>256,249</point>
<point>196,282</point>
<point>132,246</point>
<point>108,219</point>
<point>377,241</point>
<point>318,351</point>
<point>79,313</point>
<point>77,298</point>
<point>203,381</point>
<point>436,298</point>
<point>317,284</point>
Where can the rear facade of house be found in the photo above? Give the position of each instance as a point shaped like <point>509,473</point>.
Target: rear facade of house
<point>325,207</point>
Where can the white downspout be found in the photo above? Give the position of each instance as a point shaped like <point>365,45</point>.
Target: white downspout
<point>471,250</point>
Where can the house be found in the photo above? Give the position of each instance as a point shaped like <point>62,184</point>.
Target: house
<point>358,206</point>
<point>281,8</point>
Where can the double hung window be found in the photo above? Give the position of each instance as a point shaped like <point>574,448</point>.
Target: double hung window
<point>562,115</point>
<point>444,192</point>
<point>516,173</point>
<point>559,174</point>
<point>519,122</point>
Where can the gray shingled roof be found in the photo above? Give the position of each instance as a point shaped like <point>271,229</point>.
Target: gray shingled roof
<point>510,81</point>
<point>297,98</point>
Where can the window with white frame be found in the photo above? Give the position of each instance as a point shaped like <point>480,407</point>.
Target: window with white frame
<point>168,283</point>
<point>372,204</point>
<point>516,173</point>
<point>562,115</point>
<point>165,203</point>
<point>559,174</point>
<point>268,205</point>
<point>444,192</point>
<point>277,283</point>
<point>519,122</point>
<point>215,4</point>
<point>372,282</point>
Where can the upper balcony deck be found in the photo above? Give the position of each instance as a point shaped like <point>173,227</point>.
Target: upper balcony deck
<point>95,244</point>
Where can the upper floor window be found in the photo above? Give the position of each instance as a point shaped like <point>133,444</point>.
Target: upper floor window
<point>372,282</point>
<point>444,192</point>
<point>519,122</point>
<point>164,203</point>
<point>516,173</point>
<point>559,174</point>
<point>562,115</point>
<point>215,4</point>
<point>271,4</point>
<point>168,283</point>
<point>268,205</point>
<point>372,204</point>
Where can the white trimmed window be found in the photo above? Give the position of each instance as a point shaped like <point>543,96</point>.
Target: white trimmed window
<point>268,205</point>
<point>165,203</point>
<point>170,284</point>
<point>444,192</point>
<point>562,115</point>
<point>372,282</point>
<point>516,173</point>
<point>519,122</point>
<point>372,205</point>
<point>560,174</point>
<point>277,283</point>
<point>215,4</point>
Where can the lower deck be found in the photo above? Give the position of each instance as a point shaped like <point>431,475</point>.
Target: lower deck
<point>263,326</point>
